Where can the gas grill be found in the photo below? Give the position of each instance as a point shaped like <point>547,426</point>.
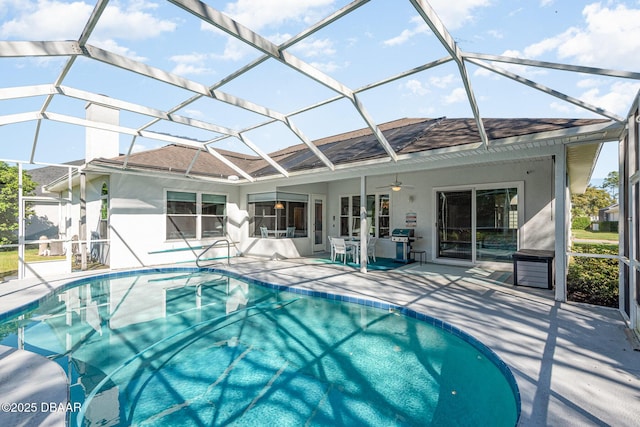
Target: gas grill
<point>403,237</point>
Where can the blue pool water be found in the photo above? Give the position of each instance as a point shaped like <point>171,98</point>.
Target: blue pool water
<point>182,347</point>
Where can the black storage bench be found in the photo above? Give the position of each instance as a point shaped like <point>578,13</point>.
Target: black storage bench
<point>534,267</point>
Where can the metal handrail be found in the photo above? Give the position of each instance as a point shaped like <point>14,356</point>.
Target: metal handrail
<point>211,246</point>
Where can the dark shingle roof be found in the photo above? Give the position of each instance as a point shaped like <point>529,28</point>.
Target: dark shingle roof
<point>405,136</point>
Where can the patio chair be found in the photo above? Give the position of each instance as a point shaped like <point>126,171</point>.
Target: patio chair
<point>264,232</point>
<point>43,248</point>
<point>371,248</point>
<point>56,248</point>
<point>75,249</point>
<point>340,248</point>
<point>291,231</point>
<point>331,247</point>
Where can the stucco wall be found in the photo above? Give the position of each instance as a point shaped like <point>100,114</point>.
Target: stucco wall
<point>538,228</point>
<point>137,208</point>
<point>138,221</point>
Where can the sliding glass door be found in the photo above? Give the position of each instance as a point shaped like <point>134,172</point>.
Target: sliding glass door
<point>477,224</point>
<point>496,224</point>
<point>454,224</point>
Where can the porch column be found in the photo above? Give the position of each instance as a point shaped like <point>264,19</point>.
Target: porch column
<point>83,221</point>
<point>364,227</point>
<point>21,219</point>
<point>561,223</point>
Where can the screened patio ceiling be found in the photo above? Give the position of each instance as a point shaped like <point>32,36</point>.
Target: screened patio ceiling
<point>216,77</point>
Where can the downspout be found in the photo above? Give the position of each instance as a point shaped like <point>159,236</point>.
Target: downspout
<point>561,223</point>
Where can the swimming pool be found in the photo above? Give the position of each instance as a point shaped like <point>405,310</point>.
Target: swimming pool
<point>179,346</point>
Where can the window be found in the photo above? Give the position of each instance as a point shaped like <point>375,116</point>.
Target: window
<point>195,215</point>
<point>103,227</point>
<point>377,215</point>
<point>278,214</point>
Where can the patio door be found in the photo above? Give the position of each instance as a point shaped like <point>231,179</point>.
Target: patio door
<point>454,227</point>
<point>319,221</point>
<point>478,224</point>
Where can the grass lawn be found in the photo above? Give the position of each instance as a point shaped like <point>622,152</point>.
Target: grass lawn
<point>594,235</point>
<point>9,260</point>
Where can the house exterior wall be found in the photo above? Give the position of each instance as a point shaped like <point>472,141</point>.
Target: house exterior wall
<point>138,221</point>
<point>138,210</point>
<point>537,230</point>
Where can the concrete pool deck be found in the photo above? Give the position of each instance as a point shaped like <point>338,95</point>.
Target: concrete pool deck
<point>575,364</point>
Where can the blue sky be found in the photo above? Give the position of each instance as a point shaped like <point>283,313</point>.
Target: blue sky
<point>380,39</point>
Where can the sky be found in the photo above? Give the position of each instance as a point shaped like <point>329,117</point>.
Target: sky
<point>380,39</point>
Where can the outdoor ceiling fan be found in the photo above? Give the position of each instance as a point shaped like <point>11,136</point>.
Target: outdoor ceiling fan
<point>397,185</point>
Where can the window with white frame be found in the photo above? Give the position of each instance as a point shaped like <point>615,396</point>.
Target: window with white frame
<point>378,215</point>
<point>195,215</point>
<point>278,214</point>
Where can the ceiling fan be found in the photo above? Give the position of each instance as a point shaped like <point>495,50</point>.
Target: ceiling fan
<point>397,185</point>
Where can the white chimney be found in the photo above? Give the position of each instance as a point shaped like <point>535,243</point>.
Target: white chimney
<point>101,143</point>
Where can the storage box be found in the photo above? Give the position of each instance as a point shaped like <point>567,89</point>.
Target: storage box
<point>534,267</point>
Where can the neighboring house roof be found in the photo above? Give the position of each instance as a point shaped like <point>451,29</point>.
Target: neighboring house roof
<point>45,175</point>
<point>613,208</point>
<point>406,136</point>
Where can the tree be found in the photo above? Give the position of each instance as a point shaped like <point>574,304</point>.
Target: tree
<point>9,200</point>
<point>590,202</point>
<point>611,183</point>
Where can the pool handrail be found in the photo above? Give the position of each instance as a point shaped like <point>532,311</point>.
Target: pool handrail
<point>213,245</point>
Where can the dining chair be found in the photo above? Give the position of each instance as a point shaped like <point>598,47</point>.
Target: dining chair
<point>291,231</point>
<point>340,248</point>
<point>371,248</point>
<point>264,232</point>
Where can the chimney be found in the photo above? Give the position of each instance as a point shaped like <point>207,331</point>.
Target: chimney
<point>101,143</point>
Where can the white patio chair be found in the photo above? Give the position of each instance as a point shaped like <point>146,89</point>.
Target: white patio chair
<point>340,248</point>
<point>43,248</point>
<point>371,248</point>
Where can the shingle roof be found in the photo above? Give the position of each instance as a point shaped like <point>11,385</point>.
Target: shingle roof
<point>405,136</point>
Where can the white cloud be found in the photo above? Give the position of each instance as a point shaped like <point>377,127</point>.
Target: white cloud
<point>455,96</point>
<point>617,99</point>
<point>418,27</point>
<point>454,15</point>
<point>416,87</point>
<point>327,67</point>
<point>191,64</point>
<point>314,48</point>
<point>457,13</point>
<point>562,108</point>
<point>609,38</point>
<point>442,81</point>
<point>55,20</point>
<point>272,13</point>
<point>112,46</point>
<point>41,20</point>
<point>133,23</point>
<point>588,83</point>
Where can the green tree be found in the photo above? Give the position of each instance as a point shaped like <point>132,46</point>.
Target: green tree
<point>588,203</point>
<point>9,200</point>
<point>611,183</point>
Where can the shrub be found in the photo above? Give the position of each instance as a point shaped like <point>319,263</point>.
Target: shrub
<point>594,280</point>
<point>580,223</point>
<point>609,226</point>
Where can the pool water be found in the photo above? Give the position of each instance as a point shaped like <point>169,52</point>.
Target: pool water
<point>203,348</point>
